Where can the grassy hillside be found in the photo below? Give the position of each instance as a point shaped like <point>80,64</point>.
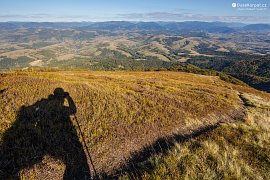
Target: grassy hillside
<point>234,150</point>
<point>123,114</point>
<point>254,71</point>
<point>138,46</point>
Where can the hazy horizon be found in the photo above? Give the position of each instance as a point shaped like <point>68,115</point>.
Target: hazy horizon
<point>245,11</point>
<point>240,23</point>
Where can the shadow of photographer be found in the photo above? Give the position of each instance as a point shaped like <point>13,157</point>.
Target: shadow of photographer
<point>44,128</point>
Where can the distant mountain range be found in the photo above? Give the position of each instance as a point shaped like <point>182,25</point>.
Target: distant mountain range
<point>241,50</point>
<point>212,27</point>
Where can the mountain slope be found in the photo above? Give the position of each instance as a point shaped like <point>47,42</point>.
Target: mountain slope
<point>234,150</point>
<point>257,27</point>
<point>120,114</point>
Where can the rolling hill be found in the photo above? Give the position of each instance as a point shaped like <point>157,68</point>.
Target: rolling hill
<point>162,100</point>
<point>254,71</point>
<point>123,45</point>
<point>142,125</point>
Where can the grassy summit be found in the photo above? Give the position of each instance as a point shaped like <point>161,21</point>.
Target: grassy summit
<point>132,117</point>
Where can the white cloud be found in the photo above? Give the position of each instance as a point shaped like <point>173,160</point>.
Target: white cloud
<point>49,17</point>
<point>167,16</point>
<point>153,16</point>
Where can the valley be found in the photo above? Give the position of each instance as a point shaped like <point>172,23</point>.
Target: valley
<point>135,46</point>
<point>134,100</point>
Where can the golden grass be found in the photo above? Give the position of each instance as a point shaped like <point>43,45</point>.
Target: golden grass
<point>121,112</point>
<point>238,150</point>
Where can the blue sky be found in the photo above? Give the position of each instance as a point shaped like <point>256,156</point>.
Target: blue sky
<point>133,10</point>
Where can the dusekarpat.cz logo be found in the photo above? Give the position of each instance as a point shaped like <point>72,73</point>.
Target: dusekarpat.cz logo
<point>250,6</point>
